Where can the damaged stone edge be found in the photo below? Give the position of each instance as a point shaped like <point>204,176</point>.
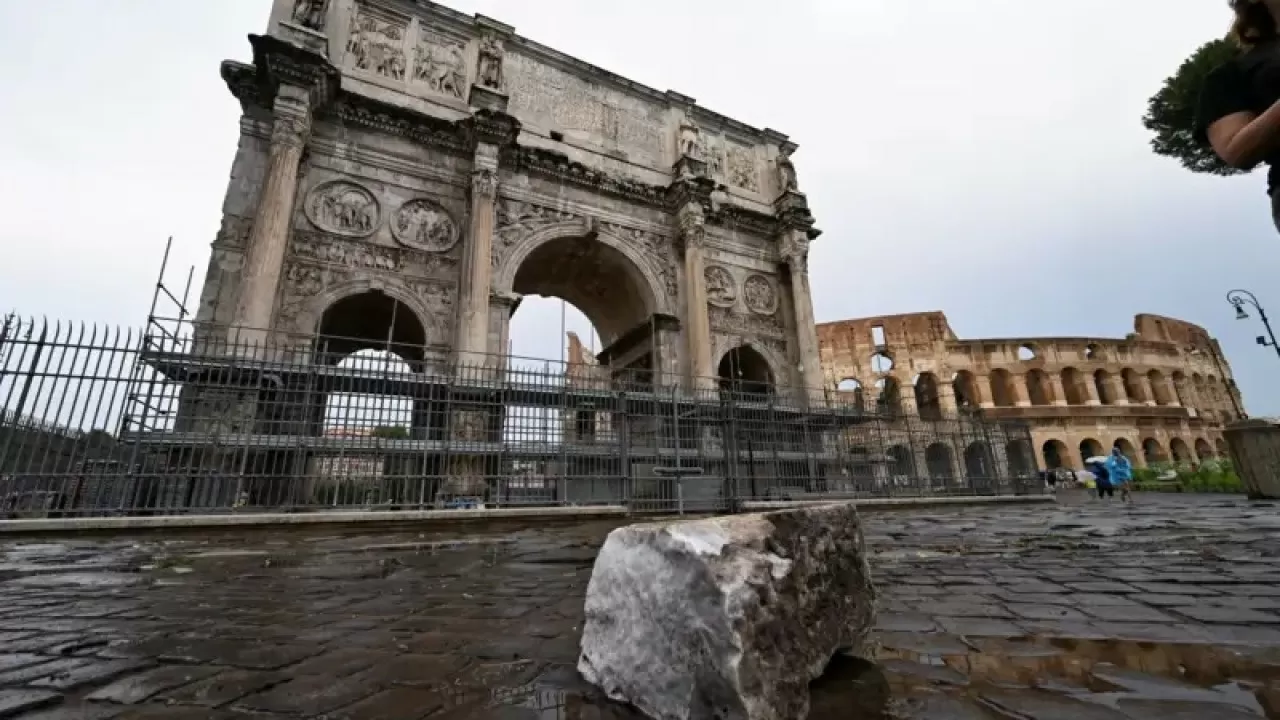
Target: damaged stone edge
<point>449,517</point>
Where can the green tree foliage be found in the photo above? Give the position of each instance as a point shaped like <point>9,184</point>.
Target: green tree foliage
<point>1171,113</point>
<point>391,432</point>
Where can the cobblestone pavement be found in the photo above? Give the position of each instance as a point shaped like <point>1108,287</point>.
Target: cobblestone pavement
<point>1168,609</point>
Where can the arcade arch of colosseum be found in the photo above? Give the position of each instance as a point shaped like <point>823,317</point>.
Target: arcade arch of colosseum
<point>1162,393</point>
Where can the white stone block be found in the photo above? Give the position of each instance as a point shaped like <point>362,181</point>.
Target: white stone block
<point>729,617</point>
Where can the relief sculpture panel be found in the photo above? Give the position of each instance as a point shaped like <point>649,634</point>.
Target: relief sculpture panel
<point>376,44</point>
<point>746,324</point>
<point>343,208</point>
<point>760,295</point>
<point>439,63</point>
<point>540,92</point>
<point>721,290</point>
<point>424,225</point>
<point>742,167</point>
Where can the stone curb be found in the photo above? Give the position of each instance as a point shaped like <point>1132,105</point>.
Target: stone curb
<point>346,517</point>
<point>912,502</point>
<point>447,517</point>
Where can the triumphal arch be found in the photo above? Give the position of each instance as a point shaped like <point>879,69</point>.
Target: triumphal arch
<point>406,173</point>
<point>397,151</point>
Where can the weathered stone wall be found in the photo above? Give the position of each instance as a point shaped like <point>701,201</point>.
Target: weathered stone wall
<point>1162,393</point>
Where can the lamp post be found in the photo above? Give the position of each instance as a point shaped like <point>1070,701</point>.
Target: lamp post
<point>1240,298</point>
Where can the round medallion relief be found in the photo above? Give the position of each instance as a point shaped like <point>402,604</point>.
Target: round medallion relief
<point>720,287</point>
<point>760,295</point>
<point>424,225</point>
<point>342,208</point>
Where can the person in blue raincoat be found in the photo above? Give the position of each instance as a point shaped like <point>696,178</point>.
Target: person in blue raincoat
<point>1102,479</point>
<point>1121,472</point>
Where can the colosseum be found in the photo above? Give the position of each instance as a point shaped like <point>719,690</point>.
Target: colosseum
<point>1162,393</point>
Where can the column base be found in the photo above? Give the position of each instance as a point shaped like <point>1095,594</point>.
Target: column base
<point>466,477</point>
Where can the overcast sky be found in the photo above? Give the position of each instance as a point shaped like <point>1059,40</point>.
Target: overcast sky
<point>982,157</point>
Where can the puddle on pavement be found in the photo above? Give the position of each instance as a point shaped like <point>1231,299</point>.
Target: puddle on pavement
<point>939,677</point>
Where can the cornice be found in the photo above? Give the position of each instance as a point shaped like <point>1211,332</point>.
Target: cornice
<point>244,83</point>
<point>558,166</point>
<point>358,111</point>
<point>280,62</point>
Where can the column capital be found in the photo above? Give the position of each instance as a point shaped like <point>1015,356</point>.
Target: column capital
<point>484,183</point>
<point>692,223</point>
<point>292,111</point>
<point>484,172</point>
<point>793,246</point>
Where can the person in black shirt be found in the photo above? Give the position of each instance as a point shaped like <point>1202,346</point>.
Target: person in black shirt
<point>1239,110</point>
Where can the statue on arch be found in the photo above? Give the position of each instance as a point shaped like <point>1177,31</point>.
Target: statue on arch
<point>310,13</point>
<point>787,174</point>
<point>491,50</point>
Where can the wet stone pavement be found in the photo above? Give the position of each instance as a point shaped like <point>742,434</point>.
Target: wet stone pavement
<point>1166,609</point>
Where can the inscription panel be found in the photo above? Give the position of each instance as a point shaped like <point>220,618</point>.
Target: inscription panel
<point>556,99</point>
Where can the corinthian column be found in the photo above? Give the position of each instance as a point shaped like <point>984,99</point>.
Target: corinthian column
<point>269,238</point>
<point>795,251</point>
<point>473,308</point>
<point>693,233</point>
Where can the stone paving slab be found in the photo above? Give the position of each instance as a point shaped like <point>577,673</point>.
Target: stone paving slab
<point>1164,609</point>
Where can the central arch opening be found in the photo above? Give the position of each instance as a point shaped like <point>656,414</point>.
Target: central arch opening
<point>583,324</point>
<point>595,278</point>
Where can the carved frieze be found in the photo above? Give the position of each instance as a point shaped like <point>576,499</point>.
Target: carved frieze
<point>741,162</point>
<point>721,290</point>
<point>516,218</point>
<point>348,253</point>
<point>362,255</point>
<point>439,63</point>
<point>745,324</point>
<point>760,295</point>
<point>376,44</point>
<point>424,225</point>
<point>344,208</point>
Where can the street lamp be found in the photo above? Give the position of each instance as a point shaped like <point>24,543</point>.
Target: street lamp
<point>1240,298</point>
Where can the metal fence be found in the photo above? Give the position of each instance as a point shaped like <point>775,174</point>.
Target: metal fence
<point>117,422</point>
